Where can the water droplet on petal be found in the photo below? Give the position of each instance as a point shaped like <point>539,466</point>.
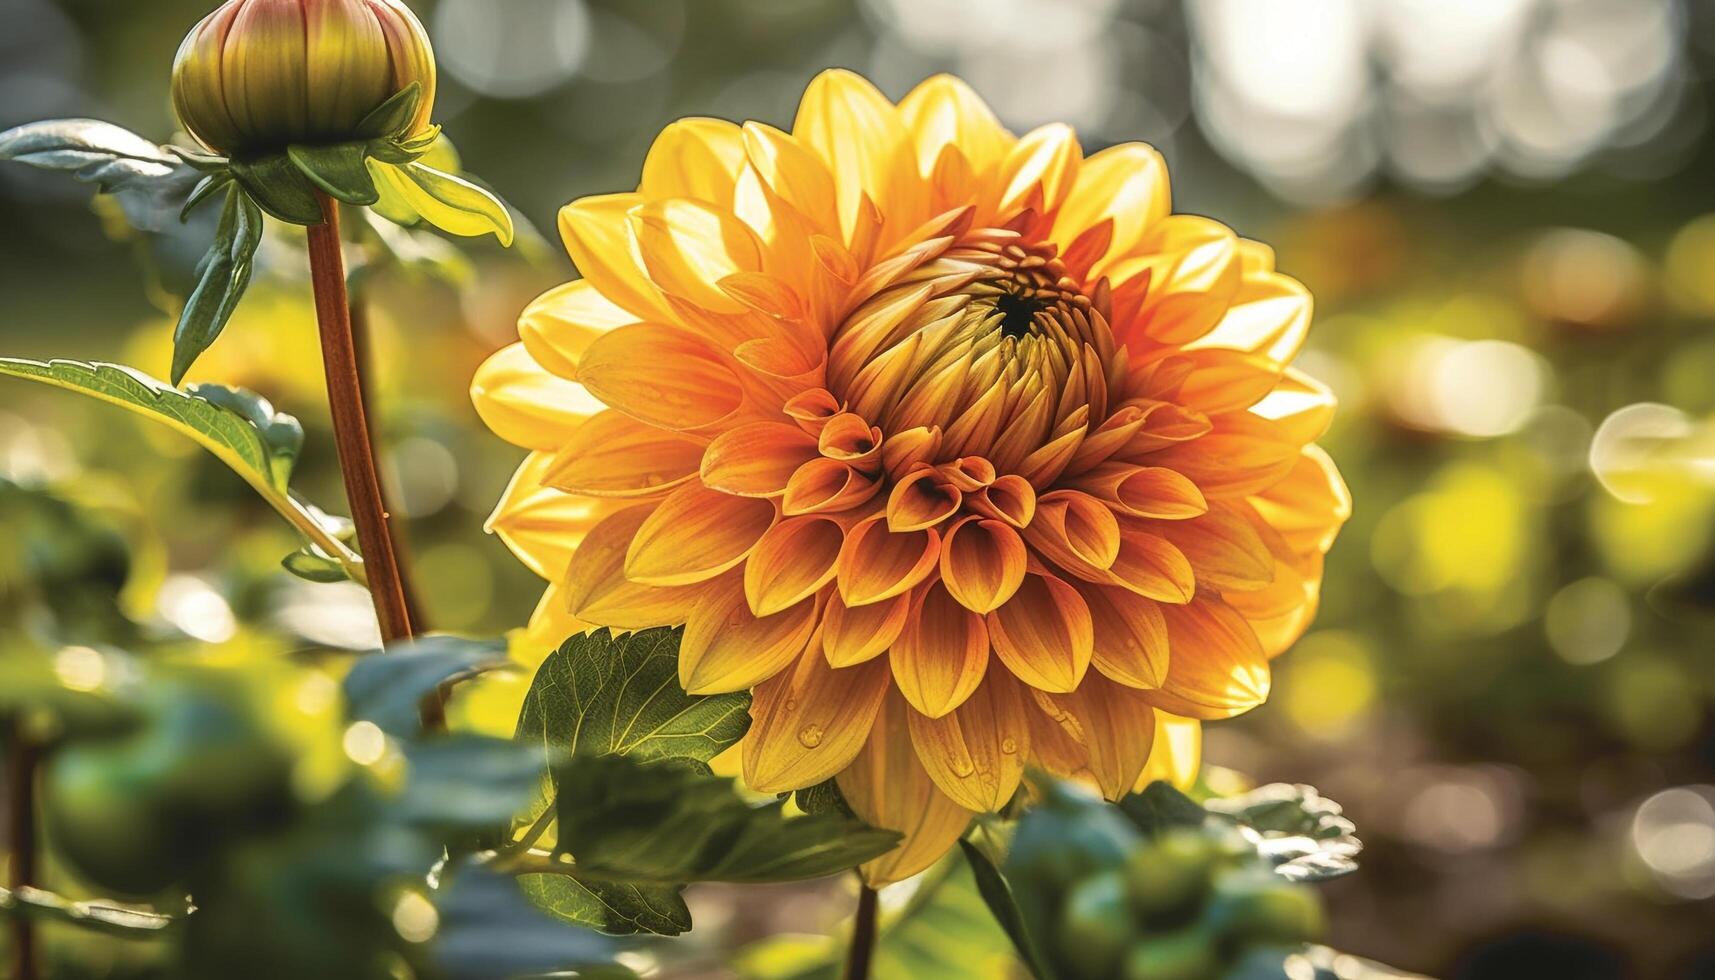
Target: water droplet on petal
<point>962,767</point>
<point>1009,745</point>
<point>810,736</point>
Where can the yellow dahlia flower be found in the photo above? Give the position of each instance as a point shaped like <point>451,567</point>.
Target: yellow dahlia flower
<point>958,449</point>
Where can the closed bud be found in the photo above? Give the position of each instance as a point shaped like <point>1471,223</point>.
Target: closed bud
<point>256,76</point>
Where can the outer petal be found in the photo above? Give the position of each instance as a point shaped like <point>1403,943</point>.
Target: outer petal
<point>614,455</point>
<point>942,112</point>
<point>878,564</point>
<point>976,753</point>
<point>1126,184</point>
<point>664,376</point>
<point>854,634</point>
<point>793,560</point>
<point>597,591</point>
<point>1309,505</point>
<point>857,132</point>
<point>1117,727</point>
<point>696,534</point>
<point>1177,753</point>
<point>941,655</point>
<point>524,404</point>
<point>597,232</point>
<point>1217,668</point>
<point>561,324</point>
<point>689,247</point>
<point>1270,316</point>
<point>757,459</point>
<point>694,157</point>
<point>1131,644</point>
<point>887,787</point>
<point>543,525</point>
<point>982,563</point>
<point>728,648</point>
<point>810,722</point>
<point>1043,634</point>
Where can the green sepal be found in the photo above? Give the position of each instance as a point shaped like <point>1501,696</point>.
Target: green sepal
<point>397,151</point>
<point>338,170</point>
<point>279,188</point>
<point>311,565</point>
<point>207,187</point>
<point>453,204</point>
<point>391,117</point>
<point>208,163</point>
<point>225,275</point>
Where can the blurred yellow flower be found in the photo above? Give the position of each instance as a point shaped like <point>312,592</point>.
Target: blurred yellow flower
<point>912,422</point>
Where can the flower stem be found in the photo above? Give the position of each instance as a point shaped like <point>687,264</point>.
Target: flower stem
<point>351,427</point>
<point>863,935</point>
<point>21,830</point>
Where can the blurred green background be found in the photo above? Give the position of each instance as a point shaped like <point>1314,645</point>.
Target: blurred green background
<point>1506,211</point>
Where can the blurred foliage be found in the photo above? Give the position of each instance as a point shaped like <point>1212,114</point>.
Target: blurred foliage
<point>1509,684</point>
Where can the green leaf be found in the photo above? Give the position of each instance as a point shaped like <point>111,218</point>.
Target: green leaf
<point>278,187</point>
<point>338,170</point>
<point>282,434</point>
<point>615,907</point>
<point>386,688</point>
<point>312,565</point>
<point>601,694</point>
<point>147,179</point>
<point>1160,807</point>
<point>668,822</point>
<point>391,117</point>
<point>207,187</point>
<point>231,437</point>
<point>997,895</point>
<point>224,277</point>
<point>450,203</point>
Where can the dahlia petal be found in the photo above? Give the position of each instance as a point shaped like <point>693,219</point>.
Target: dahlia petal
<point>887,786</point>
<point>539,523</point>
<point>813,409</point>
<point>614,455</point>
<point>696,534</point>
<point>810,721</point>
<point>921,499</point>
<point>1192,269</point>
<point>1216,667</point>
<point>943,111</point>
<point>728,648</point>
<point>1301,407</point>
<point>695,157</point>
<point>1269,316</point>
<point>849,439</point>
<point>791,562</point>
<point>597,591</point>
<point>1243,454</point>
<point>551,623</point>
<point>597,233</point>
<point>1177,754</point>
<point>942,653</point>
<point>524,404</point>
<point>767,294</point>
<point>1226,380</point>
<point>1009,498</point>
<point>1118,724</point>
<point>854,634</point>
<point>1044,161</point>
<point>1309,505</point>
<point>827,486</point>
<point>689,247</point>
<point>1043,634</point>
<point>1057,739</point>
<point>1145,491</point>
<point>902,452</point>
<point>795,173</point>
<point>562,323</point>
<point>982,563</point>
<point>1151,566</point>
<point>976,752</point>
<point>1131,644</point>
<point>1045,465</point>
<point>877,563</point>
<point>1224,550</point>
<point>856,132</point>
<point>1075,531</point>
<point>665,376</point>
<point>1126,185</point>
<point>756,459</point>
<point>1164,426</point>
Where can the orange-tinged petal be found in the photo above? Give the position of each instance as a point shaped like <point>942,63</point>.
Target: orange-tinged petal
<point>540,524</point>
<point>813,409</point>
<point>614,455</point>
<point>795,173</point>
<point>1118,726</point>
<point>1226,380</point>
<point>1131,644</point>
<point>1244,454</point>
<point>792,561</point>
<point>526,405</point>
<point>1043,164</point>
<point>1301,407</point>
<point>597,233</point>
<point>1309,505</point>
<point>976,752</point>
<point>562,323</point>
<point>1043,634</point>
<point>1009,498</point>
<point>810,721</point>
<point>597,591</point>
<point>827,486</point>
<point>1075,531</point>
<point>877,563</point>
<point>904,451</point>
<point>689,247</point>
<point>696,534</point>
<point>856,131</point>
<point>1177,754</point>
<point>982,563</point>
<point>922,499</point>
<point>1216,667</point>
<point>1057,739</point>
<point>943,111</point>
<point>756,459</point>
<point>728,648</point>
<point>665,376</point>
<point>941,655</point>
<point>1125,184</point>
<point>1151,566</point>
<point>1145,491</point>
<point>1270,316</point>
<point>854,634</point>
<point>848,438</point>
<point>695,157</point>
<point>886,786</point>
<point>1224,549</point>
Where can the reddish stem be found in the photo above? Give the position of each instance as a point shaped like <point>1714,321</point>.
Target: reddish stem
<point>21,832</point>
<point>862,949</point>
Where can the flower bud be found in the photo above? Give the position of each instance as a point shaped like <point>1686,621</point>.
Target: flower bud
<point>256,76</point>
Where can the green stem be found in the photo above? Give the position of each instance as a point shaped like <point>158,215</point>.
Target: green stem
<point>862,949</point>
